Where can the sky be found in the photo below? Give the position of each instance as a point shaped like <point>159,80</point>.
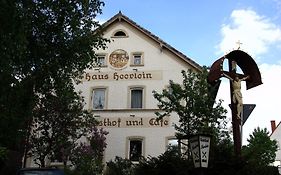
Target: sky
<point>206,30</point>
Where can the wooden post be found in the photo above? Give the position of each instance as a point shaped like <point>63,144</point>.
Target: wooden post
<point>236,122</point>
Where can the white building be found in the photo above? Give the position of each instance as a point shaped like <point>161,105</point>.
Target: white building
<point>119,90</point>
<point>276,135</point>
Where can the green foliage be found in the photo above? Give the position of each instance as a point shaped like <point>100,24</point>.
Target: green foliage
<point>16,96</point>
<point>193,101</point>
<point>59,121</point>
<point>221,150</point>
<point>260,149</point>
<point>3,156</point>
<point>3,153</point>
<point>241,167</point>
<point>250,169</point>
<point>119,166</point>
<point>88,159</point>
<point>169,162</point>
<point>44,47</point>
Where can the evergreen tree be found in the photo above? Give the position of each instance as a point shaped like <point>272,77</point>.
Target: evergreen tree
<point>261,149</point>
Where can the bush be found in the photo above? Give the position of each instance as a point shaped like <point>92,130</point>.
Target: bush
<point>241,167</point>
<point>88,159</point>
<point>169,162</point>
<point>119,166</point>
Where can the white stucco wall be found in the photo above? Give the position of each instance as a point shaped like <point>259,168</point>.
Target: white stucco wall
<point>164,65</point>
<point>155,59</point>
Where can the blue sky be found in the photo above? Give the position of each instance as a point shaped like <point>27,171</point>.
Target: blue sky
<point>206,30</point>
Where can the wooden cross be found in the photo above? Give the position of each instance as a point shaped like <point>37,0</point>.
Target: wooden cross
<point>250,70</point>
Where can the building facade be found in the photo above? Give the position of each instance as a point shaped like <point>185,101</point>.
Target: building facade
<point>119,89</point>
<point>276,135</point>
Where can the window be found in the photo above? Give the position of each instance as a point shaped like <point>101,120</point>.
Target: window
<point>172,144</point>
<point>101,60</point>
<point>135,149</point>
<point>137,98</point>
<point>180,145</point>
<point>120,34</point>
<point>137,59</point>
<point>98,98</point>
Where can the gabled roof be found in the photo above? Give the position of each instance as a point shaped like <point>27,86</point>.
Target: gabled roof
<point>119,17</point>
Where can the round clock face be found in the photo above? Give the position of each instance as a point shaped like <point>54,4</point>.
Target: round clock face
<point>118,59</point>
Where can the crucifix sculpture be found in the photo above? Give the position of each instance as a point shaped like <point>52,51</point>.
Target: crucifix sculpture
<point>252,77</point>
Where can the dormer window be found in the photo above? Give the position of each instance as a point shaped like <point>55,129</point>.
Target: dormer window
<point>120,34</point>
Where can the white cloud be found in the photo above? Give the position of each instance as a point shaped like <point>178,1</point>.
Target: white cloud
<point>256,33</point>
<point>266,97</point>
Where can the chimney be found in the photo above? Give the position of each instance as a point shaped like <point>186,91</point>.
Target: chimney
<point>273,125</point>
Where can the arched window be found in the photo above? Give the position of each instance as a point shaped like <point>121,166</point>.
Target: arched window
<point>120,34</point>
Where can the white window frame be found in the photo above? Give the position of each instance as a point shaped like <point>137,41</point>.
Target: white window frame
<point>135,55</point>
<point>132,88</point>
<point>92,98</point>
<point>128,146</point>
<point>98,63</point>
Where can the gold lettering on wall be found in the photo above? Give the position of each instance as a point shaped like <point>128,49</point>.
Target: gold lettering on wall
<point>119,76</point>
<point>132,122</point>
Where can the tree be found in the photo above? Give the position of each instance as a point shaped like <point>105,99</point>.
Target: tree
<point>44,47</point>
<point>16,96</point>
<point>260,149</point>
<point>88,159</point>
<point>193,102</point>
<point>59,121</point>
